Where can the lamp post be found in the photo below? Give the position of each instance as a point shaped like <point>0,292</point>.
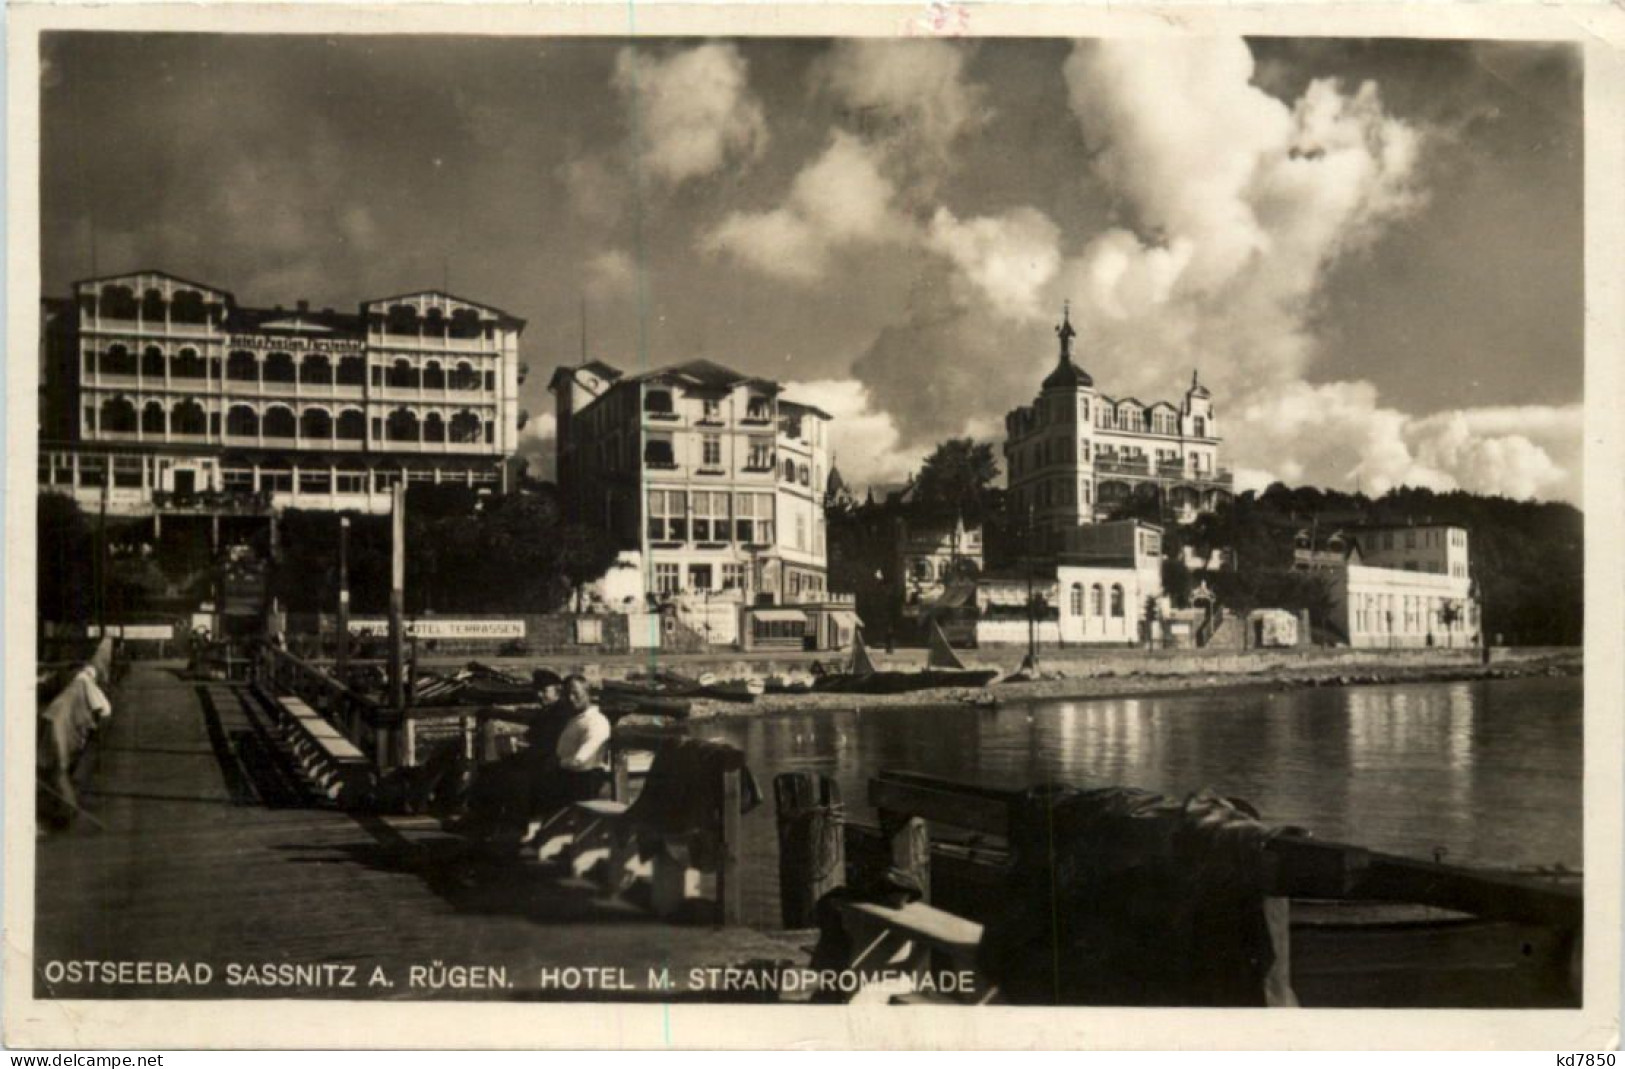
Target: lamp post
<point>1032,609</point>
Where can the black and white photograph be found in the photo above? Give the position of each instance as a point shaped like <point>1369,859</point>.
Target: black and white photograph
<point>938,518</point>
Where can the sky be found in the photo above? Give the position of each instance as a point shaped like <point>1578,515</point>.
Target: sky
<point>1371,250</point>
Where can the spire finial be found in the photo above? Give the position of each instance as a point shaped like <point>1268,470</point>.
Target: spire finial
<point>1193,378</point>
<point>1065,331</point>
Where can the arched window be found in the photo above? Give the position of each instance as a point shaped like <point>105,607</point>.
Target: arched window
<point>352,425</point>
<point>465,323</point>
<point>118,302</point>
<point>434,376</point>
<point>152,362</point>
<point>402,319</point>
<point>1077,599</point>
<point>152,418</point>
<point>352,371</point>
<point>279,367</point>
<point>657,401</point>
<point>242,422</point>
<point>464,377</point>
<point>242,366</point>
<point>315,423</point>
<point>188,307</point>
<point>923,570</point>
<point>118,415</point>
<point>434,428</point>
<point>188,365</point>
<point>316,368</point>
<point>187,418</point>
<point>465,427</point>
<point>1097,601</point>
<point>402,375</point>
<point>118,360</point>
<point>804,475</point>
<point>402,426</point>
<point>1117,600</point>
<point>789,471</point>
<point>279,422</point>
<point>434,323</point>
<point>152,306</point>
<point>1201,427</point>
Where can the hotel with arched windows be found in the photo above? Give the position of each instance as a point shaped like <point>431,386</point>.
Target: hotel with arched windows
<point>158,393</point>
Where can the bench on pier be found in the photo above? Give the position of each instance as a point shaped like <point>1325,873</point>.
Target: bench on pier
<point>962,873</point>
<point>635,836</point>
<point>334,765</point>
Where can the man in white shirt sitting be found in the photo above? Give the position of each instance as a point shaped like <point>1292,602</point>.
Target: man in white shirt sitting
<point>582,751</point>
<point>566,760</point>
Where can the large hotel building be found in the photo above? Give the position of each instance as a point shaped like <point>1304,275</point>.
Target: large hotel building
<point>713,478</point>
<point>161,394</point>
<point>1075,454</point>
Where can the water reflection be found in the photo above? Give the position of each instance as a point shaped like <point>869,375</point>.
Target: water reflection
<point>1487,772</point>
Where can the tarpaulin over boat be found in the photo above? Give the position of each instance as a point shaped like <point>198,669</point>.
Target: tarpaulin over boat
<point>680,806</point>
<point>1120,896</point>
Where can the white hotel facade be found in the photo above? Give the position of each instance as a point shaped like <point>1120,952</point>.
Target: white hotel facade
<point>710,477</point>
<point>1075,454</point>
<point>163,395</point>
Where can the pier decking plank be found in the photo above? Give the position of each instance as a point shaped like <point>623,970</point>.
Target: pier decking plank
<point>199,846</point>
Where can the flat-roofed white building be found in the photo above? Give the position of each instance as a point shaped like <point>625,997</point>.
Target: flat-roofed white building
<point>1399,586</point>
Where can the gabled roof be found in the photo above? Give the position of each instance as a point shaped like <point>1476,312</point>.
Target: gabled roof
<point>506,317</point>
<point>707,374</point>
<point>785,402</point>
<point>123,275</point>
<point>604,371</point>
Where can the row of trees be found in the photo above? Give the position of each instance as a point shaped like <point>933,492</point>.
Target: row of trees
<point>465,552</point>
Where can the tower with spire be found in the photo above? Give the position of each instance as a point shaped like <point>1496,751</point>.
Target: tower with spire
<point>1076,456</point>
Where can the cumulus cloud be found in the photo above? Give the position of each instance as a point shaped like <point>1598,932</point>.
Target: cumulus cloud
<point>539,445</point>
<point>1234,205</point>
<point>839,200</point>
<point>864,441</point>
<point>910,98</point>
<point>695,111</point>
<point>1340,433</point>
<point>903,104</point>
<point>610,274</point>
<point>1006,259</point>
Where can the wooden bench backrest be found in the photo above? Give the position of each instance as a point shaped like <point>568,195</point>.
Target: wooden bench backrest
<point>939,801</point>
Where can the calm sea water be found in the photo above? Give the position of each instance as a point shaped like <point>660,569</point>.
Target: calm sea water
<point>1488,771</point>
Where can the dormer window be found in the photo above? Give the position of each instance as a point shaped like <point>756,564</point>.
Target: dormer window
<point>657,402</point>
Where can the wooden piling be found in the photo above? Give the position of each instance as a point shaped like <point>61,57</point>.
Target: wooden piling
<point>730,889</point>
<point>812,849</point>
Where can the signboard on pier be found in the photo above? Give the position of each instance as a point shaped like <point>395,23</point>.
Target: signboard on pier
<point>443,629</point>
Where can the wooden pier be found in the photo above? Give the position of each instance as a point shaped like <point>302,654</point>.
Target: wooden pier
<point>201,843</point>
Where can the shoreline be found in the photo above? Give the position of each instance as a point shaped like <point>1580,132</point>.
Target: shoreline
<point>1145,684</point>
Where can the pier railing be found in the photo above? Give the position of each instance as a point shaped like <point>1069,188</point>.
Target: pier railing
<point>370,725</point>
